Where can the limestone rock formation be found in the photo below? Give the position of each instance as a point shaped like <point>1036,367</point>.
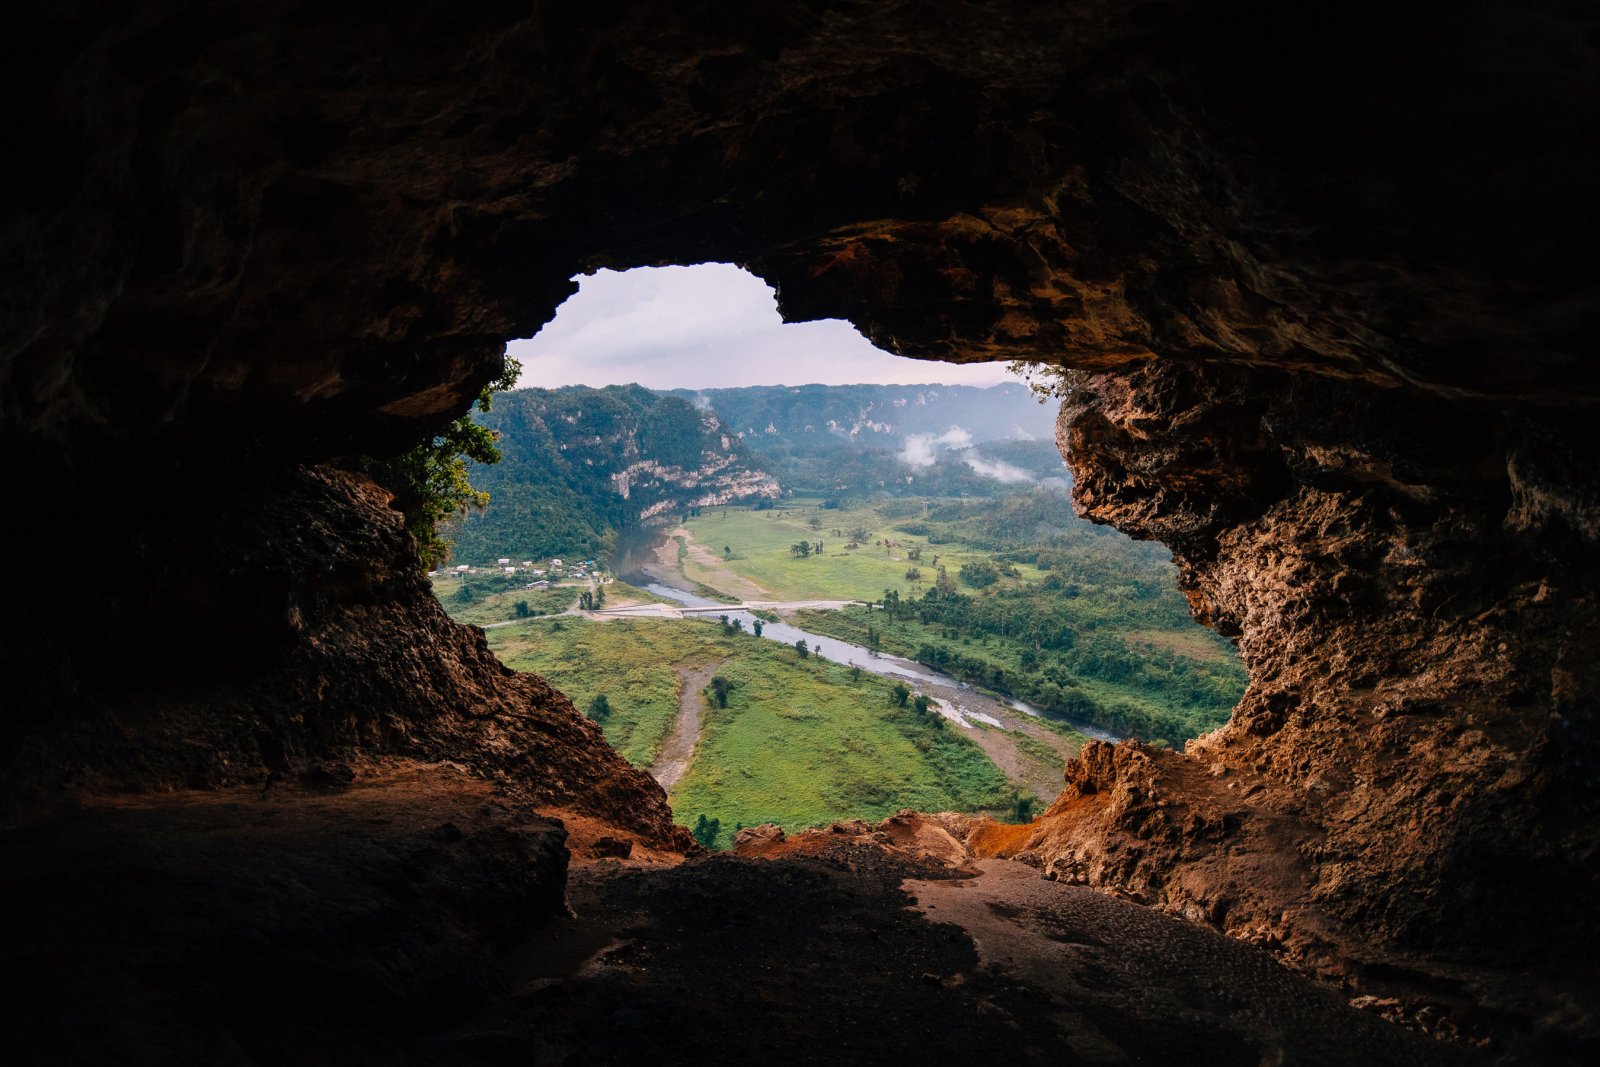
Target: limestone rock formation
<point>1330,266</point>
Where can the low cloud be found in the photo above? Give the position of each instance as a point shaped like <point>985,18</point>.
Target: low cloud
<point>999,470</point>
<point>921,449</point>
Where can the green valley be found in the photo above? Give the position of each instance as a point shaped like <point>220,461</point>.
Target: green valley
<point>801,741</point>
<point>971,575</point>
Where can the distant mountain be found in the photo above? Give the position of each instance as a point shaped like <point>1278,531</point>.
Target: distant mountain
<point>869,440</point>
<point>580,464</point>
<point>880,416</point>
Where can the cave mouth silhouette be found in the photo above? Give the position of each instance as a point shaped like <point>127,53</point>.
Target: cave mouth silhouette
<point>1326,271</point>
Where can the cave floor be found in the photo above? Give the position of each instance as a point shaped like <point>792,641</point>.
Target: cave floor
<point>417,917</point>
<point>856,956</point>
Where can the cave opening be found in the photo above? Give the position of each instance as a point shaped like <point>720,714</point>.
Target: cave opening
<point>684,473</point>
<point>1326,272</point>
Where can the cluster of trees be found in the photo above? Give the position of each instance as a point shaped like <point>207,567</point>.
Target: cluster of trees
<point>1180,696</point>
<point>1062,642</point>
<point>805,549</point>
<point>592,601</point>
<point>705,831</point>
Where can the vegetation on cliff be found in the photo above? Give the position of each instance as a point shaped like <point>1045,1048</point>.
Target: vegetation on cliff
<point>431,480</point>
<point>578,464</point>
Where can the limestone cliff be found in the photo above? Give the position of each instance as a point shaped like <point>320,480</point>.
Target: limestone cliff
<point>579,464</point>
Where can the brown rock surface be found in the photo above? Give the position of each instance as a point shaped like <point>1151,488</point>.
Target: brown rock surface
<point>1332,264</point>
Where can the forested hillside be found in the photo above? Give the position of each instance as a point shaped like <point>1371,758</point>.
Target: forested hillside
<point>579,464</point>
<point>853,442</point>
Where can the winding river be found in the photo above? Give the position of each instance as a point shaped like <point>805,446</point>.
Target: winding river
<point>955,700</point>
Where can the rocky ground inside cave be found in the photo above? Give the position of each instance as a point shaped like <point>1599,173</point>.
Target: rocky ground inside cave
<point>416,915</point>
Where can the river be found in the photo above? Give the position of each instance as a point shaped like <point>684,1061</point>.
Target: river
<point>957,701</point>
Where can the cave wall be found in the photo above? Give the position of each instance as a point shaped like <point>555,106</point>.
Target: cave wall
<point>1328,267</point>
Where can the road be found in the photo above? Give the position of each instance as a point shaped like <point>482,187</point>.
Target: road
<point>675,611</point>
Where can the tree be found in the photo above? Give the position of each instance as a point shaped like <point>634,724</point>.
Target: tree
<point>758,626</point>
<point>921,704</point>
<point>727,551</point>
<point>913,574</point>
<point>859,533</point>
<point>599,708</point>
<point>523,611</point>
<point>979,573</point>
<point>464,594</point>
<point>900,694</point>
<point>429,481</point>
<point>814,522</point>
<point>720,688</point>
<point>874,639</point>
<point>705,832</point>
<point>944,583</point>
<point>800,549</point>
<point>800,648</point>
<point>1021,808</point>
<point>1047,381</point>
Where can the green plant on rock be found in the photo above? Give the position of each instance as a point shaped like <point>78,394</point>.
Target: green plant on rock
<point>430,482</point>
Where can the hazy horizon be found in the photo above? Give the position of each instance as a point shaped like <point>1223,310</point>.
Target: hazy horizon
<point>710,326</point>
<point>524,384</point>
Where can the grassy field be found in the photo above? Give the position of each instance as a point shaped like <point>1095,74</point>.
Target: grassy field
<point>757,544</point>
<point>801,742</point>
<point>633,662</point>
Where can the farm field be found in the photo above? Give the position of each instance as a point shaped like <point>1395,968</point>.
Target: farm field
<point>802,742</point>
<point>758,546</point>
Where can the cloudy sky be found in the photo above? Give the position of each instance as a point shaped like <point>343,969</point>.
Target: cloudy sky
<point>704,327</point>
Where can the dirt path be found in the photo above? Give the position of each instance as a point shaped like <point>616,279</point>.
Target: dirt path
<point>678,749</point>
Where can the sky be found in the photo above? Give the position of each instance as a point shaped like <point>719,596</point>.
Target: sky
<point>709,326</point>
